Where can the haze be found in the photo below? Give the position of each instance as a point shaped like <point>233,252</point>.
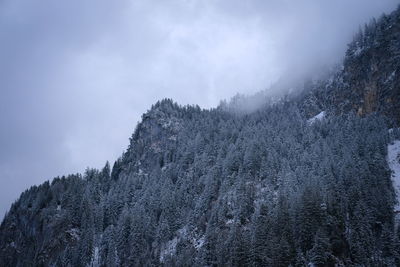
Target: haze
<point>75,76</point>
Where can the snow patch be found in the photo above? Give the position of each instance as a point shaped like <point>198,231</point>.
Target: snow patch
<point>230,221</point>
<point>319,116</point>
<point>95,262</point>
<point>58,207</point>
<point>169,249</point>
<point>199,242</point>
<point>173,137</point>
<point>393,159</point>
<point>192,236</point>
<point>391,77</point>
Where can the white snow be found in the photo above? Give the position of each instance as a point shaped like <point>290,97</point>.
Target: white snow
<point>358,51</point>
<point>183,232</point>
<point>173,137</point>
<point>391,77</point>
<point>193,236</point>
<point>319,116</point>
<point>95,262</point>
<point>199,242</point>
<point>394,164</point>
<point>230,221</point>
<point>169,250</point>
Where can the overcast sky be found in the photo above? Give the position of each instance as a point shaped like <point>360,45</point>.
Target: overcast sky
<point>76,75</point>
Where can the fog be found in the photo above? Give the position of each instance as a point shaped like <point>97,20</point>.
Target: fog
<point>75,76</point>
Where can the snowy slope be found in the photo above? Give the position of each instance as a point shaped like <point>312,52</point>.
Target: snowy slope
<point>317,117</point>
<point>394,164</point>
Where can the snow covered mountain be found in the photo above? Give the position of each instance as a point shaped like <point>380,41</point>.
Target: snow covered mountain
<point>308,179</point>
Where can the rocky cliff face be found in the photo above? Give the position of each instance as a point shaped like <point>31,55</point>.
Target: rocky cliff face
<point>371,69</point>
<point>369,80</point>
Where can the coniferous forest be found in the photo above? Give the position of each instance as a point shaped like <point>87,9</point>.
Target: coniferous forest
<point>302,180</point>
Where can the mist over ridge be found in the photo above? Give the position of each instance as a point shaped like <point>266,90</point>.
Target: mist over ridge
<point>73,89</point>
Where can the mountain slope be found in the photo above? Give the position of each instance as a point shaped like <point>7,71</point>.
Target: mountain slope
<point>219,188</point>
<point>369,79</point>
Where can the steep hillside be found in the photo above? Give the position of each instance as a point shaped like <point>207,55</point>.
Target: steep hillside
<point>369,79</point>
<point>276,186</point>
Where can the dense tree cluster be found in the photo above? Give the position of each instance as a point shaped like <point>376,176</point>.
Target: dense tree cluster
<point>234,185</point>
<point>208,187</point>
